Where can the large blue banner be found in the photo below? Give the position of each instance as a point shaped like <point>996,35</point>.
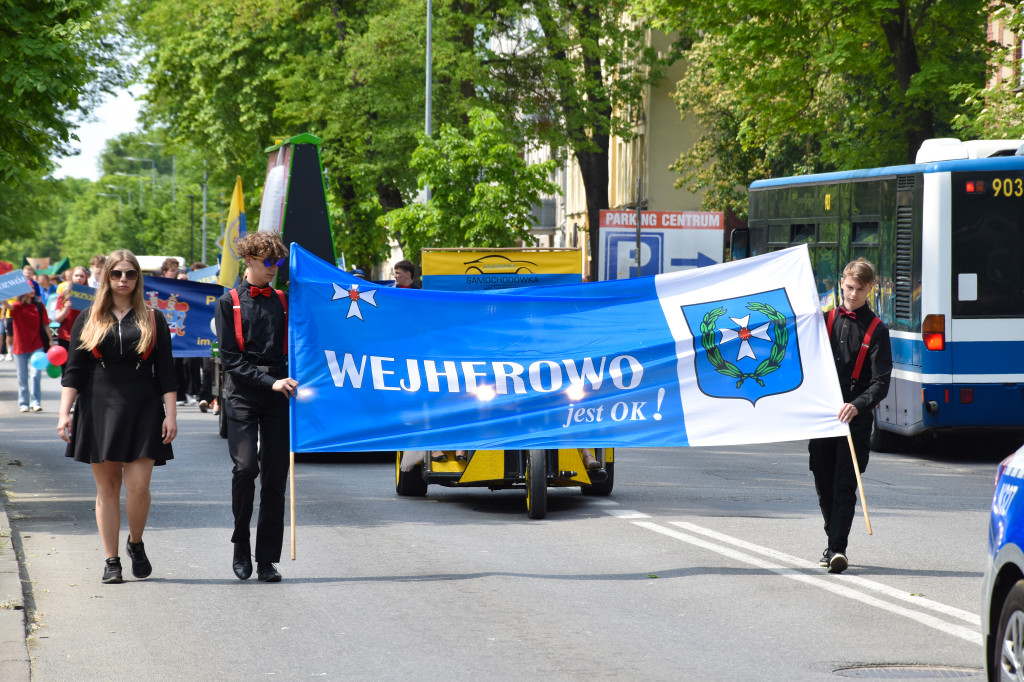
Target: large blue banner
<point>727,354</point>
<point>188,307</point>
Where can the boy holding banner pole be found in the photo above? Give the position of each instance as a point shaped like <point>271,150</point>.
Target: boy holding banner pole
<point>251,322</point>
<point>863,357</point>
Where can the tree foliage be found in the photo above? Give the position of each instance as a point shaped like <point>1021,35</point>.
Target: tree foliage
<point>996,110</point>
<point>482,189</point>
<point>56,59</point>
<point>789,87</point>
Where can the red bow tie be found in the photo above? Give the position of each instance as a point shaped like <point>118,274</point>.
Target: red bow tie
<point>267,291</point>
<point>848,313</point>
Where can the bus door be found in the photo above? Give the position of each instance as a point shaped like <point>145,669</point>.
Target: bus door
<point>986,326</point>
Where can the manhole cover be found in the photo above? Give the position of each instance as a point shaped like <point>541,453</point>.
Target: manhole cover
<point>909,672</point>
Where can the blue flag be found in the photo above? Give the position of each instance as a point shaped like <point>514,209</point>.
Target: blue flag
<point>188,308</point>
<point>728,354</point>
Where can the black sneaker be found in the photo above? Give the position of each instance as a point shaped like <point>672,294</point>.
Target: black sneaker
<point>141,568</point>
<point>112,571</point>
<point>266,573</point>
<point>826,556</point>
<point>837,563</point>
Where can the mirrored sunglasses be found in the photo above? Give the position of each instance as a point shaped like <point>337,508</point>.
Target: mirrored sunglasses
<point>273,263</point>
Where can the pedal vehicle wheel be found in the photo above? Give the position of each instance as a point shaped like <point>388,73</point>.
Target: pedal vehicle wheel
<point>1008,652</point>
<point>604,487</point>
<point>409,483</point>
<point>536,484</point>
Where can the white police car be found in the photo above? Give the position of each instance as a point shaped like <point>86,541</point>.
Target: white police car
<point>1002,608</point>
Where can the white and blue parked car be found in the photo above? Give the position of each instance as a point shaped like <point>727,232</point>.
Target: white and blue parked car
<point>1002,608</point>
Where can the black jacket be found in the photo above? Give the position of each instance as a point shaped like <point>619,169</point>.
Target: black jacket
<point>845,340</point>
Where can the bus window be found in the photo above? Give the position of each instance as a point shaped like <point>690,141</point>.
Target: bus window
<point>865,233</point>
<point>803,234</point>
<point>988,244</point>
<point>865,242</point>
<point>739,243</point>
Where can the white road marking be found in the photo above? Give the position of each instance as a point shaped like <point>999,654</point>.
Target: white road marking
<point>626,514</point>
<point>830,585</point>
<point>972,618</point>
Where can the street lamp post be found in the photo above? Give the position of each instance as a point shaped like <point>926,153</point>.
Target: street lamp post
<point>118,196</point>
<point>430,77</point>
<point>173,166</point>
<point>133,175</point>
<point>191,228</point>
<point>122,188</point>
<point>153,168</point>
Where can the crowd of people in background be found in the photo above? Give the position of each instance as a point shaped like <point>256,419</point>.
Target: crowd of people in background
<point>27,327</point>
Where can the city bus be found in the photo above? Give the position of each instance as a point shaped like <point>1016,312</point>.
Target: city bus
<point>946,235</point>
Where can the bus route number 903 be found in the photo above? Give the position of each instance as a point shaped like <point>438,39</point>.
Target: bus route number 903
<point>1008,187</point>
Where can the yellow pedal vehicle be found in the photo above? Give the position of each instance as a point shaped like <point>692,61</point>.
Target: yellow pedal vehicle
<point>532,470</point>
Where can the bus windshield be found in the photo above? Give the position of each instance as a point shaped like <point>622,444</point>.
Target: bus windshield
<point>988,244</point>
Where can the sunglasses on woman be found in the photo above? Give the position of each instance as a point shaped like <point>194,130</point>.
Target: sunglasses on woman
<point>273,262</point>
<point>130,274</point>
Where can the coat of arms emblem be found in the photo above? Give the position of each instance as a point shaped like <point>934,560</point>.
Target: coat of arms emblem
<point>745,347</point>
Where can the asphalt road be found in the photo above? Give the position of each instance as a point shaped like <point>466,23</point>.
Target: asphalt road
<point>702,565</point>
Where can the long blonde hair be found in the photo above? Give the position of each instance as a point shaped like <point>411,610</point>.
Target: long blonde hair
<point>101,320</point>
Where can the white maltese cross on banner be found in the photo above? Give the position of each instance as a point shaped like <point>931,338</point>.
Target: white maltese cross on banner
<point>354,296</point>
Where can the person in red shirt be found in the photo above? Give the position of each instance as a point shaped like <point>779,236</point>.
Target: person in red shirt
<point>31,333</point>
<point>66,315</point>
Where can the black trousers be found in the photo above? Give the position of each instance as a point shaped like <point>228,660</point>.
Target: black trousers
<point>206,387</point>
<point>836,482</point>
<point>258,413</point>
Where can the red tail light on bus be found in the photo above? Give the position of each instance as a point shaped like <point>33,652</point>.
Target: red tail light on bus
<point>934,332</point>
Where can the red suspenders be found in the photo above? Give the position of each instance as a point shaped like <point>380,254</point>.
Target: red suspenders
<point>152,343</point>
<point>864,344</point>
<point>236,313</point>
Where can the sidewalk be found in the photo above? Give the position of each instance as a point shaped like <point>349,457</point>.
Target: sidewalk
<point>14,659</point>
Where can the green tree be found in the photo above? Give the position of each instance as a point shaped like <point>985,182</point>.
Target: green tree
<point>996,110</point>
<point>578,77</point>
<point>56,60</point>
<point>788,87</point>
<point>482,189</point>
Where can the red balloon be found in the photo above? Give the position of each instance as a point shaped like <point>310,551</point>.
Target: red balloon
<point>57,355</point>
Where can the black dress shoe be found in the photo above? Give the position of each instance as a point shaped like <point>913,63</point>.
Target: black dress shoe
<point>242,563</point>
<point>266,573</point>
<point>141,568</point>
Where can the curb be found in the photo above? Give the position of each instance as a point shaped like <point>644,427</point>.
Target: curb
<point>14,660</point>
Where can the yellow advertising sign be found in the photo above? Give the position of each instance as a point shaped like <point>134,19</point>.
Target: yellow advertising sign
<point>477,269</point>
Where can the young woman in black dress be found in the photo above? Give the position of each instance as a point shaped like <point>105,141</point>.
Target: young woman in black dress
<point>121,371</point>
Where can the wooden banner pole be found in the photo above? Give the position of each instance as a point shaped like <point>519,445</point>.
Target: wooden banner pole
<point>860,486</point>
<point>291,477</point>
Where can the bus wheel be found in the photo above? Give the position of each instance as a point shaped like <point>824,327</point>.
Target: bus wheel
<point>536,484</point>
<point>409,483</point>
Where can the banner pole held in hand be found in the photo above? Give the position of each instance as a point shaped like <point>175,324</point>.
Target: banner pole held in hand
<point>291,477</point>
<point>856,470</point>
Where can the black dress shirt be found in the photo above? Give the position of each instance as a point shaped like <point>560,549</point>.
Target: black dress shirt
<point>873,384</point>
<point>263,329</point>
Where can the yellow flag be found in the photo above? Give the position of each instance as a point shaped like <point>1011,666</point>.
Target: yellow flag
<point>235,229</point>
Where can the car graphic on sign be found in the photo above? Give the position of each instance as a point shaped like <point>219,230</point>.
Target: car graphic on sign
<point>497,264</point>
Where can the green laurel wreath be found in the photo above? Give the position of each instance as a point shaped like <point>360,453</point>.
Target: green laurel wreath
<point>766,366</point>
